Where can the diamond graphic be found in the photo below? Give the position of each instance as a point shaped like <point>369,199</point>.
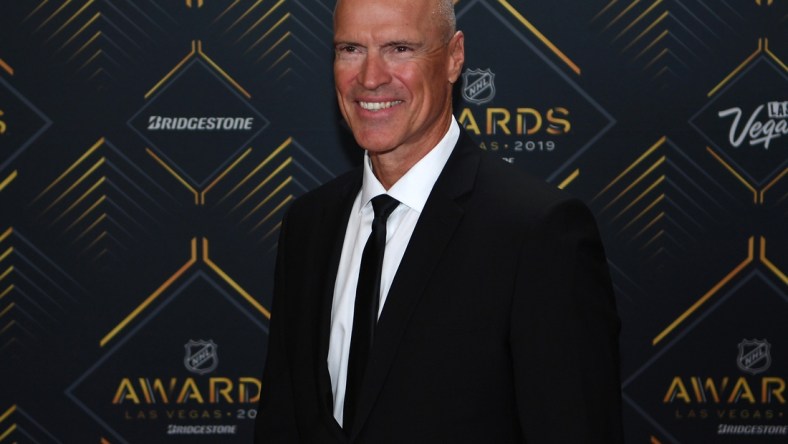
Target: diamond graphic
<point>744,122</point>
<point>21,123</point>
<point>141,385</point>
<point>694,383</point>
<point>198,122</point>
<point>533,113</point>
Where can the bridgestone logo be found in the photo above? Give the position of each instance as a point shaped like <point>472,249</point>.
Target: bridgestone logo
<point>201,429</point>
<point>159,123</point>
<point>758,429</point>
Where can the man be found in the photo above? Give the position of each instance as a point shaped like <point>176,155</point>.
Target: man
<point>495,316</point>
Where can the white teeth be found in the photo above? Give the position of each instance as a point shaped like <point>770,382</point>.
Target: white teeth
<point>377,106</point>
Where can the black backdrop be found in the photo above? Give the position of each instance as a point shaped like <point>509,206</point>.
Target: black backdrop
<point>136,252</point>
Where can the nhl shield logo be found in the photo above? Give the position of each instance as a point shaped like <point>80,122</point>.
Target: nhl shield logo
<point>754,356</point>
<point>478,86</point>
<point>201,356</point>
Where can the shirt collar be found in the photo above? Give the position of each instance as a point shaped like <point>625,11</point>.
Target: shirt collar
<point>415,186</point>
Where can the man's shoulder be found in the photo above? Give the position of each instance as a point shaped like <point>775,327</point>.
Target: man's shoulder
<point>513,199</point>
<point>514,188</point>
<point>500,182</point>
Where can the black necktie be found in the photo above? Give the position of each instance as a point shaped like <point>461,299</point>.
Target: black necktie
<point>365,314</point>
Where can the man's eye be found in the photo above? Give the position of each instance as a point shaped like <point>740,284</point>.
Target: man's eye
<point>401,49</point>
<point>347,49</point>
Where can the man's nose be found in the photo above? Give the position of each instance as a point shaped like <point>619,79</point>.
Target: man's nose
<point>374,71</point>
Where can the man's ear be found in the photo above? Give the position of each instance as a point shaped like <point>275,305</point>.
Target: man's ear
<point>456,56</point>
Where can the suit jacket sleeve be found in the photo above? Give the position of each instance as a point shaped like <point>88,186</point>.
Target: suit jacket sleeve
<point>276,421</point>
<point>564,332</point>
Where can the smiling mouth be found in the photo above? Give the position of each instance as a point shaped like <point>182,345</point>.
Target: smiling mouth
<point>377,106</point>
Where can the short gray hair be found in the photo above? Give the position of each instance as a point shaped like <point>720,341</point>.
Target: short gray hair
<point>444,14</point>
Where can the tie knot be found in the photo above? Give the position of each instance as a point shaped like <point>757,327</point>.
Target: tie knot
<point>383,205</point>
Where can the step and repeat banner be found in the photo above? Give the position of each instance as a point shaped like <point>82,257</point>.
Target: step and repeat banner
<point>148,150</point>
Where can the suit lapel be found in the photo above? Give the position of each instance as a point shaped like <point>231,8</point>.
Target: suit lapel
<point>334,218</point>
<point>434,230</point>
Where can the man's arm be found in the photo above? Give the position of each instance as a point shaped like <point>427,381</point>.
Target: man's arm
<point>565,333</point>
<point>275,421</point>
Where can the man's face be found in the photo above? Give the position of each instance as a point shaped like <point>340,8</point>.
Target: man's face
<point>393,72</point>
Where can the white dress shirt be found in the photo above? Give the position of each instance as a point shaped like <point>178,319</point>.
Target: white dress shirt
<point>412,191</point>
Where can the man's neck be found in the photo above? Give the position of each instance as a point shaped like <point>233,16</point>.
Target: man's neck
<point>391,165</point>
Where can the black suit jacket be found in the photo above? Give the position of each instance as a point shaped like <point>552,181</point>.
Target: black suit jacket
<point>499,326</point>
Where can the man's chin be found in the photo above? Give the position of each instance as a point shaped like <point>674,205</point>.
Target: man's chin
<point>374,143</point>
<point>375,149</point>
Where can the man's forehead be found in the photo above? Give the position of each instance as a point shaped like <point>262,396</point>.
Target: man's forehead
<point>379,35</point>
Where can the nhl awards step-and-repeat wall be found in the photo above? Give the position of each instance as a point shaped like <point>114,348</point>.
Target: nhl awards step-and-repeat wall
<point>148,150</point>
